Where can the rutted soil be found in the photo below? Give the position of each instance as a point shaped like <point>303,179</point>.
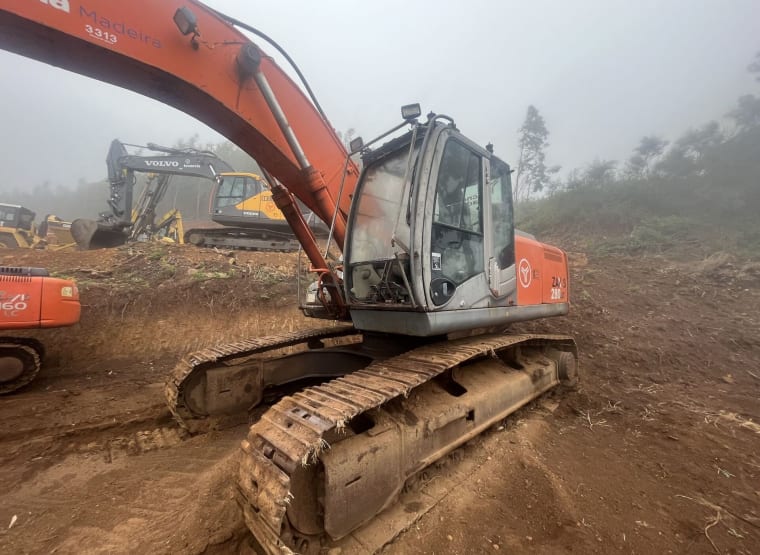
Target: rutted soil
<point>657,452</point>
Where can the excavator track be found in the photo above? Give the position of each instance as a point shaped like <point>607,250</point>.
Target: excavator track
<point>194,364</point>
<point>20,362</point>
<point>264,239</point>
<point>323,468</point>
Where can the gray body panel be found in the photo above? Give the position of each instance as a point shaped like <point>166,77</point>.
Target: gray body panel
<point>425,324</point>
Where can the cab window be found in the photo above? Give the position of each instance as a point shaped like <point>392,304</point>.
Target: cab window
<point>502,233</point>
<point>8,215</point>
<point>457,201</point>
<point>26,219</point>
<point>457,234</point>
<point>231,191</point>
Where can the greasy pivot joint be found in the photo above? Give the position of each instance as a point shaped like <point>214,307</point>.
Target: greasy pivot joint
<point>248,60</point>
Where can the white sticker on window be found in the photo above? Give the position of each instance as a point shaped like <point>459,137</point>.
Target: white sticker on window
<point>436,262</point>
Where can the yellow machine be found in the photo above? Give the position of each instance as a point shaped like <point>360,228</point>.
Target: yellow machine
<point>16,226</point>
<point>17,229</point>
<point>55,232</point>
<point>170,228</point>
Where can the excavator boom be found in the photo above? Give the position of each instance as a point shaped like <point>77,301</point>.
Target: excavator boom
<point>213,72</point>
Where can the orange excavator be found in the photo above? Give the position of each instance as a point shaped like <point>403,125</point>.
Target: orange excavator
<point>417,360</point>
<point>30,299</point>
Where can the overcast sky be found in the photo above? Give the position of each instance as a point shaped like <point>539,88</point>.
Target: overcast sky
<point>603,73</point>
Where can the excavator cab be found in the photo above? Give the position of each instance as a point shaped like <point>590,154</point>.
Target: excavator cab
<point>239,197</point>
<point>16,226</point>
<point>245,200</point>
<point>431,233</point>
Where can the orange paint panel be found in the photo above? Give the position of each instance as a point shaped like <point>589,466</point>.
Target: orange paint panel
<point>60,303</point>
<point>542,273</point>
<point>20,302</point>
<point>33,302</point>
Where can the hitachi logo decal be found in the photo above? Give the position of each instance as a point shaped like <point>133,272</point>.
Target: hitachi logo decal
<point>162,163</point>
<point>62,5</point>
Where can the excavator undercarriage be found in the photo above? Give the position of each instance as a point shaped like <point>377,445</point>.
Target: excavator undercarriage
<point>262,238</point>
<point>217,386</point>
<point>320,463</point>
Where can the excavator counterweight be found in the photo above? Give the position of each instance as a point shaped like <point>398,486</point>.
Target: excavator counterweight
<point>30,299</point>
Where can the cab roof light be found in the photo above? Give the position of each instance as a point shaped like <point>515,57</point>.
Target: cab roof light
<point>356,144</point>
<point>411,111</point>
<point>186,21</point>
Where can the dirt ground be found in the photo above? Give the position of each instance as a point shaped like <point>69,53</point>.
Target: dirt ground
<point>657,452</point>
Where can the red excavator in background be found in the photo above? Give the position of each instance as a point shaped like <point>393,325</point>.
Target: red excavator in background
<point>30,299</point>
<point>432,271</point>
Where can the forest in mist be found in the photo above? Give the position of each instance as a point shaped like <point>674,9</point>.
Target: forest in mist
<point>701,185</point>
<point>88,200</point>
<point>700,189</point>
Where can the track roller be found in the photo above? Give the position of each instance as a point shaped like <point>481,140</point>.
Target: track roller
<point>20,360</point>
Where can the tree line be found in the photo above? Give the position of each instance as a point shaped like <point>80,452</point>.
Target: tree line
<point>716,161</point>
<point>727,151</point>
<point>699,191</point>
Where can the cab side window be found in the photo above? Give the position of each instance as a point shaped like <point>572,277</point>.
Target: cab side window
<point>232,191</point>
<point>458,189</point>
<point>26,219</point>
<point>457,234</point>
<point>502,234</point>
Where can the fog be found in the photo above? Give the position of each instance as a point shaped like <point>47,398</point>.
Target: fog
<point>603,74</point>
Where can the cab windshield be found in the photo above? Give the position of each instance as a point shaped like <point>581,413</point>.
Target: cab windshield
<point>378,207</point>
<point>8,215</point>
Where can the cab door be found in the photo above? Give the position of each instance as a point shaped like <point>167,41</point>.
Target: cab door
<point>457,234</point>
<point>501,238</point>
<point>256,200</point>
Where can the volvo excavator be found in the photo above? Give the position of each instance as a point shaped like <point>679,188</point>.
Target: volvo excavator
<point>417,359</point>
<point>240,202</point>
